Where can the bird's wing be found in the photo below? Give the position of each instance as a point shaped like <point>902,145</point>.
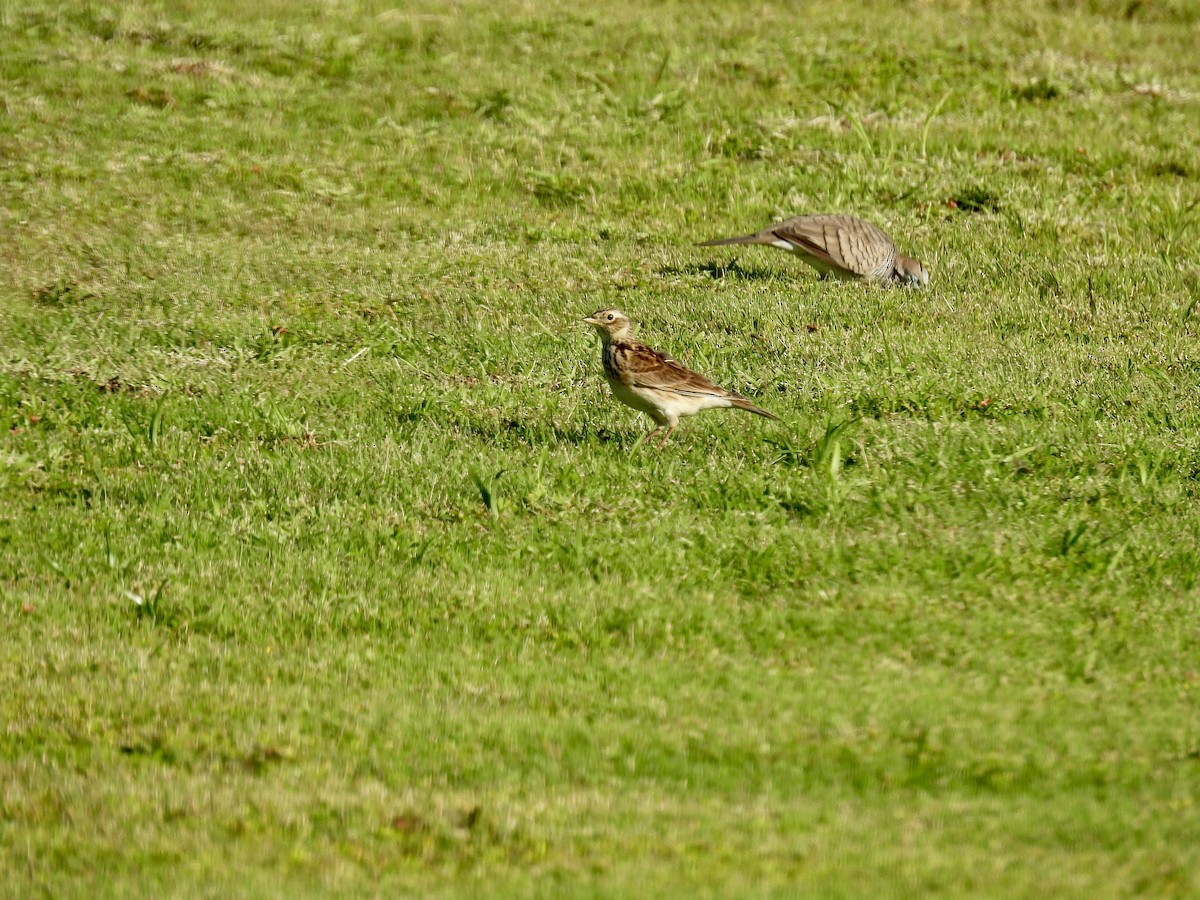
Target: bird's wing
<point>644,367</point>
<point>840,241</point>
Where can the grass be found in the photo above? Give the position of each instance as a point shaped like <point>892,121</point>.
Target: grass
<point>325,562</point>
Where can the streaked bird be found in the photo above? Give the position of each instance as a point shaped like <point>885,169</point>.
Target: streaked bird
<point>654,383</point>
<point>840,247</point>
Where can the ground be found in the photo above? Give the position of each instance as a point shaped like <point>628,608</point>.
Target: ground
<point>329,566</point>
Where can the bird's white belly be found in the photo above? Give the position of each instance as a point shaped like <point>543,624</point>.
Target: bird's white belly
<point>664,407</point>
<point>688,404</point>
<point>635,399</point>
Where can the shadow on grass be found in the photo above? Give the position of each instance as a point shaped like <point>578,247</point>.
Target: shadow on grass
<point>537,433</point>
<point>732,269</point>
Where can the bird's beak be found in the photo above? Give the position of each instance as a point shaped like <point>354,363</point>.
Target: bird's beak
<point>589,320</point>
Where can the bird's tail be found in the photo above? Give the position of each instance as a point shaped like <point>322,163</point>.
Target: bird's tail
<point>743,403</point>
<point>757,238</point>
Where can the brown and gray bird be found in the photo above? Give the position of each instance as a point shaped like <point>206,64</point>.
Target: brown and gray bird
<point>841,247</point>
<point>652,382</point>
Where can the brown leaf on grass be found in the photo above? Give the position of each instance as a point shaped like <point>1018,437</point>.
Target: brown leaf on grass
<point>199,68</point>
<point>156,97</point>
<point>408,824</point>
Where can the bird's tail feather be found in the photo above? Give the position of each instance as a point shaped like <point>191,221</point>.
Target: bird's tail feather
<point>743,403</point>
<point>741,239</point>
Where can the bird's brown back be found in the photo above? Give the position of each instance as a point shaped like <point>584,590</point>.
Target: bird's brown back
<point>843,241</point>
<point>635,364</point>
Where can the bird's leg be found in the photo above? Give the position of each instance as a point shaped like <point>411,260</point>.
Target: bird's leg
<point>665,436</point>
<point>647,436</point>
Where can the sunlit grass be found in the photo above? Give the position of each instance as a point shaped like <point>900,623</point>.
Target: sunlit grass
<point>327,564</point>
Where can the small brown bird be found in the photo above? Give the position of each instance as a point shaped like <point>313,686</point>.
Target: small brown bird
<point>841,247</point>
<point>652,382</point>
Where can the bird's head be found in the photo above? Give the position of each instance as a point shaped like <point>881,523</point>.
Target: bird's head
<point>911,271</point>
<point>611,324</point>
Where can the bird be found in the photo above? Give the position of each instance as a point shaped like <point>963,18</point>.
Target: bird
<point>654,383</point>
<point>841,247</point>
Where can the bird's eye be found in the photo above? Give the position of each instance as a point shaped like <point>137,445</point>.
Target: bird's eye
<point>610,317</point>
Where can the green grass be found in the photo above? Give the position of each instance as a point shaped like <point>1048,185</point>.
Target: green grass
<point>327,564</point>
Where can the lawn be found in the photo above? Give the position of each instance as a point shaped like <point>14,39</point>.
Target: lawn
<point>328,566</point>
